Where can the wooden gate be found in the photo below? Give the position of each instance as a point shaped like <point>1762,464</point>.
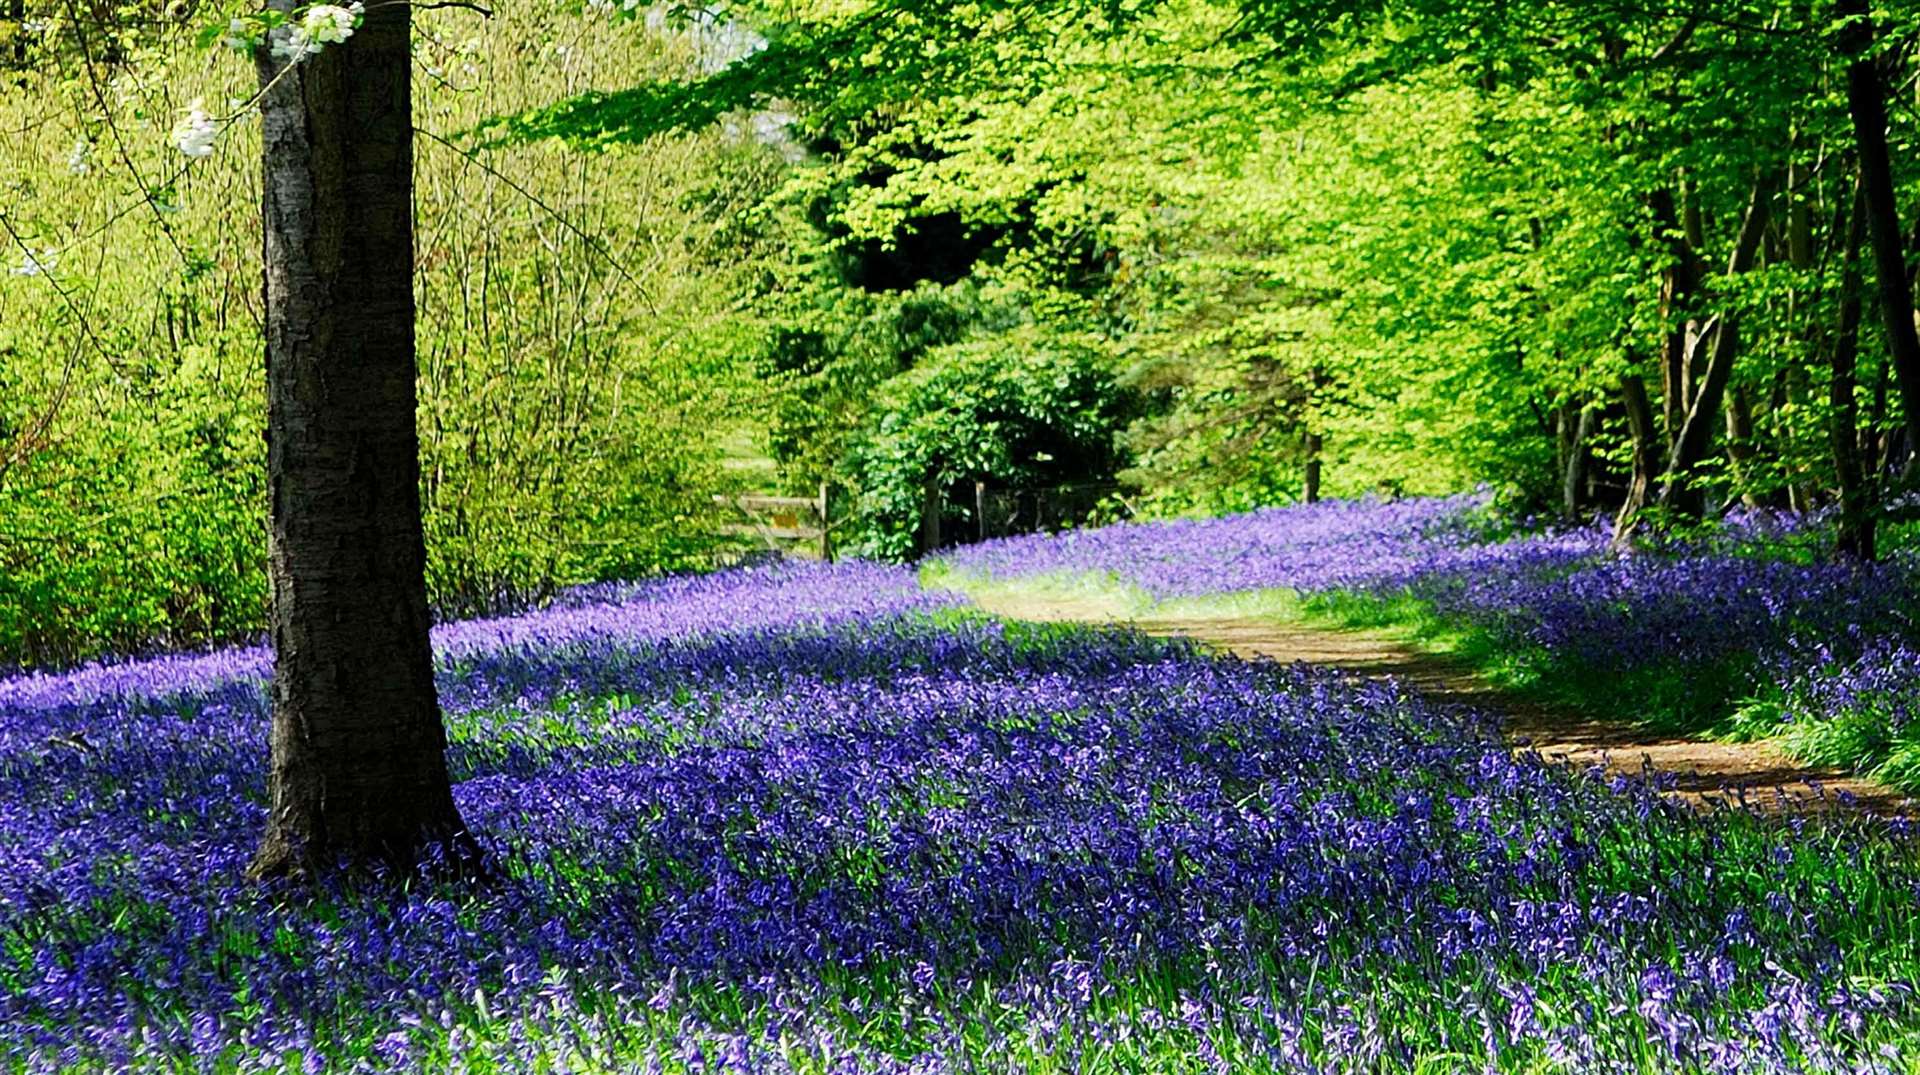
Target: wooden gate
<point>782,522</point>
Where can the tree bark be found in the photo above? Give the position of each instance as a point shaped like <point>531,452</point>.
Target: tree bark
<point>1314,445</point>
<point>1866,104</point>
<point>17,15</point>
<point>1310,480</point>
<point>1856,536</point>
<point>932,503</point>
<point>1679,284</point>
<point>1573,473</point>
<point>1645,464</point>
<point>1564,417</point>
<point>1802,491</point>
<point>1740,451</point>
<point>358,767</point>
<point>1723,340</point>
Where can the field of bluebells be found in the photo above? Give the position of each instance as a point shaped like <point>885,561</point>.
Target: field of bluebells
<point>817,819</point>
<point>1741,631</point>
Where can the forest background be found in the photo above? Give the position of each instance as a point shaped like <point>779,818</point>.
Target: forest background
<point>1602,258</point>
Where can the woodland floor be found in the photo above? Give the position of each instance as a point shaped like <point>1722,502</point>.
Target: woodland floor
<point>1702,771</point>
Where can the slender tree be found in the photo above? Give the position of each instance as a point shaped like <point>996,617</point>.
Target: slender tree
<point>1314,445</point>
<point>1644,469</point>
<point>1855,537</point>
<point>1577,421</point>
<point>1867,105</point>
<point>1721,341</point>
<point>358,751</point>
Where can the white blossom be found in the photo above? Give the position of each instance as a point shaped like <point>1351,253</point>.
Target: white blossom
<point>290,44</point>
<point>330,25</point>
<point>318,26</point>
<point>195,132</point>
<point>79,157</point>
<point>32,264</point>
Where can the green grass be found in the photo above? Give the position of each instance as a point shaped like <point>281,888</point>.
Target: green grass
<point>1865,738</point>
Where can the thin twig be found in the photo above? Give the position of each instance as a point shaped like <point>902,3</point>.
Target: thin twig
<point>66,296</point>
<point>119,143</point>
<point>594,243</point>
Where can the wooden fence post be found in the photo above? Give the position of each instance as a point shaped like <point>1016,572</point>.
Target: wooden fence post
<point>826,528</point>
<point>929,517</point>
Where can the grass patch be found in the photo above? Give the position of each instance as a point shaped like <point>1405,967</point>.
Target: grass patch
<point>1666,697</point>
<point>1864,737</point>
<point>1106,589</point>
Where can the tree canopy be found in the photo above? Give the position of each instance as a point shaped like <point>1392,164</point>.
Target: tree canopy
<point>1594,254</point>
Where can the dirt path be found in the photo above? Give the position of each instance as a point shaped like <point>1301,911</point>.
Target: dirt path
<point>1702,770</point>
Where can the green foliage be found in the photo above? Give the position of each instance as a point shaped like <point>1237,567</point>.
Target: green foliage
<point>578,357</point>
<point>1412,242</point>
<point>1012,411</point>
<point>830,358</point>
<point>138,535</point>
<point>843,61</point>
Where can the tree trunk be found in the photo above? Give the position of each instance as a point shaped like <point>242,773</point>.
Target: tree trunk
<point>1679,491</point>
<point>1856,537</point>
<point>931,505</point>
<point>1573,473</point>
<point>1723,341</point>
<point>1310,491</point>
<point>1645,465</point>
<point>1565,416</point>
<point>1693,224</point>
<point>17,15</point>
<point>1801,312</point>
<point>1314,445</point>
<point>1740,444</point>
<point>358,769</point>
<point>1866,103</point>
<point>1802,490</point>
<point>1679,284</point>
